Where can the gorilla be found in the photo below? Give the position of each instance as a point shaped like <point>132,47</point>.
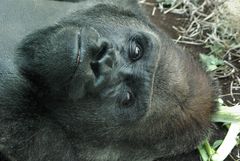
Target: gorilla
<point>96,81</point>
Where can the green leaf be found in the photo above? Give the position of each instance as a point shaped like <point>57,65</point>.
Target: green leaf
<point>216,48</point>
<point>211,62</point>
<point>227,114</point>
<point>220,102</point>
<point>203,153</point>
<point>210,151</point>
<point>217,143</point>
<point>167,3</point>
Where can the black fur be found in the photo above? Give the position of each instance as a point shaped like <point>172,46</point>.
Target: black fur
<point>80,93</point>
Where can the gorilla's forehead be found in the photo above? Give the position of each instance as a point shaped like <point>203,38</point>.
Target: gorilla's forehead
<point>104,16</point>
<point>116,24</point>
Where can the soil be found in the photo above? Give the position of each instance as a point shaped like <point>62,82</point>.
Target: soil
<point>166,22</point>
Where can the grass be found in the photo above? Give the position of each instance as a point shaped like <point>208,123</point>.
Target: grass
<point>207,27</point>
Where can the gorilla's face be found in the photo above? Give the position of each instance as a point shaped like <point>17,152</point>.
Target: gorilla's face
<point>114,68</point>
<point>114,77</point>
<point>119,69</point>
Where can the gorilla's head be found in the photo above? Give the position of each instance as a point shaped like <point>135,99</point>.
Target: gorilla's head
<point>111,78</point>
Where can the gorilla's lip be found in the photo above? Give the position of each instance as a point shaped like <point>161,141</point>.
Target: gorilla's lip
<point>78,56</point>
<point>81,51</point>
<point>79,48</point>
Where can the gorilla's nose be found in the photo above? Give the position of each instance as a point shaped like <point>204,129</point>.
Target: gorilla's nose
<point>102,63</point>
<point>95,53</point>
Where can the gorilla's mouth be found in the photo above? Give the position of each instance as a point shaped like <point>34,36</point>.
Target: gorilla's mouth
<point>78,48</point>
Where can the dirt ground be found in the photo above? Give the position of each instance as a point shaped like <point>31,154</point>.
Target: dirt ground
<point>166,22</point>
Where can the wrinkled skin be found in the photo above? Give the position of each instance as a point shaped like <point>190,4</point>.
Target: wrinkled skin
<point>102,84</point>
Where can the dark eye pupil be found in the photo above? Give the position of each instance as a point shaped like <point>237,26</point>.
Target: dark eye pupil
<point>135,52</point>
<point>128,99</point>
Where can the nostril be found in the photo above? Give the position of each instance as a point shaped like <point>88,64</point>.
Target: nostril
<point>101,52</point>
<point>103,46</point>
<point>95,68</point>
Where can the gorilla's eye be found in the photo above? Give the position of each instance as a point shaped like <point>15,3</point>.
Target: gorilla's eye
<point>128,99</point>
<point>136,51</point>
